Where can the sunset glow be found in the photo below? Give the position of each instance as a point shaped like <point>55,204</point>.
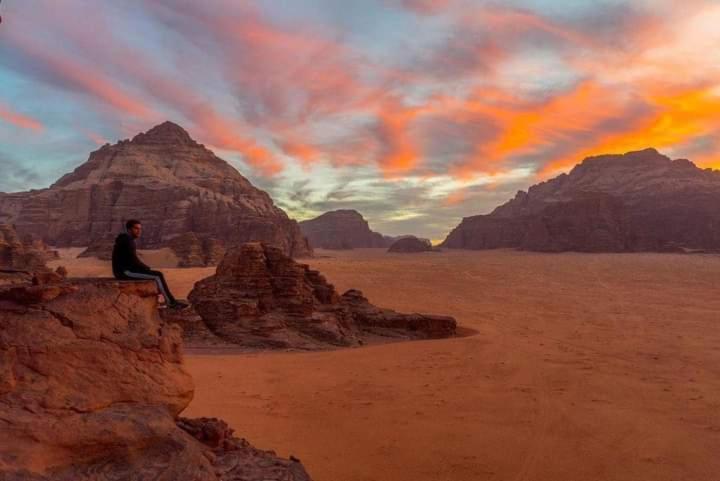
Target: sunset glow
<point>434,109</point>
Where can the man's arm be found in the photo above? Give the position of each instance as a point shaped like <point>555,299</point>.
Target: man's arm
<point>139,265</point>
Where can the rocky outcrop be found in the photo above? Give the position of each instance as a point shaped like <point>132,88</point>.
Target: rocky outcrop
<point>193,250</point>
<point>38,245</point>
<point>163,177</point>
<point>260,298</point>
<point>91,386</point>
<point>411,244</point>
<point>15,255</point>
<point>640,201</point>
<point>341,229</point>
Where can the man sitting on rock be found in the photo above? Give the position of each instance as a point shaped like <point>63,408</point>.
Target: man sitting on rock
<point>126,265</point>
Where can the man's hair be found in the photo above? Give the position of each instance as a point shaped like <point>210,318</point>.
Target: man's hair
<point>131,223</point>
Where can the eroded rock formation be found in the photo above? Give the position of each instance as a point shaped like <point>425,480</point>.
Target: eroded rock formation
<point>91,386</point>
<point>341,229</point>
<point>16,255</point>
<point>640,201</point>
<point>163,177</point>
<point>260,298</point>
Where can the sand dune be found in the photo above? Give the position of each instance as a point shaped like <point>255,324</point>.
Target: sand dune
<point>584,367</point>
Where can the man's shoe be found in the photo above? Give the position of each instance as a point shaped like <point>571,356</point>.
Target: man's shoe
<point>178,305</point>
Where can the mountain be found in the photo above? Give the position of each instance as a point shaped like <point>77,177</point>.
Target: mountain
<point>639,201</point>
<point>162,177</point>
<point>341,229</point>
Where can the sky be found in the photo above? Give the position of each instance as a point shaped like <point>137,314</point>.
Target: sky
<point>416,113</point>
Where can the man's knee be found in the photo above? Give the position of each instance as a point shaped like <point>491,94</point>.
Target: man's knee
<point>156,274</point>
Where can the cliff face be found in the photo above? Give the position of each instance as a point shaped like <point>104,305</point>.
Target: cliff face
<point>341,229</point>
<point>91,385</point>
<point>162,177</point>
<point>640,201</point>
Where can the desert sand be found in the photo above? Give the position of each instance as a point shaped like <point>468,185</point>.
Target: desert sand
<point>579,367</point>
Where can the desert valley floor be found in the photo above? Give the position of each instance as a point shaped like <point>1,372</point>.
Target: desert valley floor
<point>574,367</point>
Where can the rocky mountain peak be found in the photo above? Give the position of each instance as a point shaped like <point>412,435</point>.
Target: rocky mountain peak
<point>639,201</point>
<point>164,134</point>
<point>637,161</point>
<point>165,178</point>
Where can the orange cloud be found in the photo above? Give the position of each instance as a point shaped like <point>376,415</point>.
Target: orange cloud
<point>528,127</point>
<point>678,117</point>
<point>19,120</point>
<point>455,198</point>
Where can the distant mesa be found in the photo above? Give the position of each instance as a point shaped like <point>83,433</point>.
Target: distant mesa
<point>162,177</point>
<point>92,386</point>
<point>260,298</point>
<point>636,202</point>
<point>411,244</point>
<point>341,229</point>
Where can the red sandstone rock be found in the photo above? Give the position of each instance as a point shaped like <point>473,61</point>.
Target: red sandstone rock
<point>164,178</point>
<point>640,201</point>
<point>16,255</point>
<point>260,298</point>
<point>341,229</point>
<point>91,384</point>
<point>39,246</point>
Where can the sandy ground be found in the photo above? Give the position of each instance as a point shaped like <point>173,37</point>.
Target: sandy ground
<point>584,367</point>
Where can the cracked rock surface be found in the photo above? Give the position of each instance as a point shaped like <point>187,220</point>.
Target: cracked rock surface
<point>91,385</point>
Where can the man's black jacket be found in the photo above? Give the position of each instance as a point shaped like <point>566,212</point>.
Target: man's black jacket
<point>124,257</point>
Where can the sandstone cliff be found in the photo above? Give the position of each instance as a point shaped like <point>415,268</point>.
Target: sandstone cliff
<point>341,229</point>
<point>260,298</point>
<point>640,201</point>
<point>162,177</point>
<point>91,386</point>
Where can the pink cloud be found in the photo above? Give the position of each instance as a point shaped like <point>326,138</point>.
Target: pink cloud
<point>19,120</point>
